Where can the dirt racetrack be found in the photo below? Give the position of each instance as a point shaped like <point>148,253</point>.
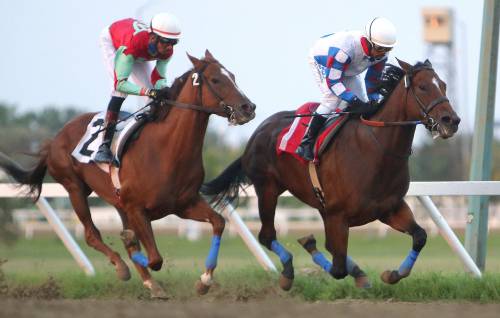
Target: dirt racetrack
<point>275,308</point>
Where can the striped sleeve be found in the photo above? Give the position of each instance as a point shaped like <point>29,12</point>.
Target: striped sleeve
<point>372,79</point>
<point>336,63</point>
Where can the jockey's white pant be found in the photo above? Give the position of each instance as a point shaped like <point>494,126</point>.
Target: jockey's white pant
<point>141,71</point>
<point>330,102</point>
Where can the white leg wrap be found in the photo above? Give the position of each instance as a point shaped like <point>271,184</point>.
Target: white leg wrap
<point>206,279</point>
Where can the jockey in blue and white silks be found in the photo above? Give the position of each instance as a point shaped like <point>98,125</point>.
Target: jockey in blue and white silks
<point>337,60</point>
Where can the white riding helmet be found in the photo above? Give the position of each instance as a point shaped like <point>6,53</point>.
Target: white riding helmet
<point>166,25</point>
<point>381,32</point>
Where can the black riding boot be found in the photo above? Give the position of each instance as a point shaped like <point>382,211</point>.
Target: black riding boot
<point>104,154</point>
<point>305,150</point>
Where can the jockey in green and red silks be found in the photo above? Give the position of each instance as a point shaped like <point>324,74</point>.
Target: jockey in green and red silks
<point>128,47</point>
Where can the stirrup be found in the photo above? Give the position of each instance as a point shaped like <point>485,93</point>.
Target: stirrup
<point>104,155</point>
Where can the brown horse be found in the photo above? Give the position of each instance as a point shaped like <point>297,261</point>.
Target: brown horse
<point>364,172</point>
<point>160,174</point>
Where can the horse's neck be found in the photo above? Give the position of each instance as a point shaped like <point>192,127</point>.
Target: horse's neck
<point>396,140</point>
<point>182,131</point>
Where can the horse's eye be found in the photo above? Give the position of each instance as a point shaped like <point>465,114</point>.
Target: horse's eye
<point>214,80</point>
<point>422,87</point>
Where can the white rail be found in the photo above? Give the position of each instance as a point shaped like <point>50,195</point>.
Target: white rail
<point>420,189</point>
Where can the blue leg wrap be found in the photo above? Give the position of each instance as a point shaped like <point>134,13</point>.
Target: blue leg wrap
<point>140,259</point>
<point>320,259</point>
<point>408,263</point>
<point>211,261</point>
<point>279,250</point>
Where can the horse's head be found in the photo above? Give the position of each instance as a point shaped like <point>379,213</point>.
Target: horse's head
<point>426,99</point>
<point>218,91</point>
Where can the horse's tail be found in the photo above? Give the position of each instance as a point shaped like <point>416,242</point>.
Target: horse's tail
<point>224,189</point>
<point>33,177</point>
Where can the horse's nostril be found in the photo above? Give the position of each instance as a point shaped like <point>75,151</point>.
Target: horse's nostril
<point>456,121</point>
<point>446,119</point>
<point>248,108</point>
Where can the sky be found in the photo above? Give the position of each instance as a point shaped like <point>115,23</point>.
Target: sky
<point>51,55</point>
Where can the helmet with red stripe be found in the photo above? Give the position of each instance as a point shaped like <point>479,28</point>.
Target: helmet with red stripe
<point>166,26</point>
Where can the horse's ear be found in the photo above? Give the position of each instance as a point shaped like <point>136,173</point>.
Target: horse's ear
<point>196,62</point>
<point>405,66</point>
<point>428,63</point>
<point>209,56</point>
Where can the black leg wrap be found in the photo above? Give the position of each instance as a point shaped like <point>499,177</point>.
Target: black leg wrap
<point>266,241</point>
<point>357,272</point>
<point>419,239</point>
<point>288,269</point>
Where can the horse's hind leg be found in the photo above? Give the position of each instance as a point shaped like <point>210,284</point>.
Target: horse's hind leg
<point>360,277</point>
<point>133,248</point>
<point>201,211</point>
<point>267,194</point>
<point>403,221</point>
<point>78,198</point>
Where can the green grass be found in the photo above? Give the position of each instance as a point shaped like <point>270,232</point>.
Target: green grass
<point>42,266</point>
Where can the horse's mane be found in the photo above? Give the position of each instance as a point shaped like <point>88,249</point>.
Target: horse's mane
<point>159,112</point>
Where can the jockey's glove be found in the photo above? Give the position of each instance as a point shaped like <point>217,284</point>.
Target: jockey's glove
<point>156,94</point>
<point>357,106</point>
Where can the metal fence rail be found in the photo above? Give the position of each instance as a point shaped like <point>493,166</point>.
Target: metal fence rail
<point>422,190</point>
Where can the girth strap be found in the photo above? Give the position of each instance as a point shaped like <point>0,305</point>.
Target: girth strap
<point>318,191</point>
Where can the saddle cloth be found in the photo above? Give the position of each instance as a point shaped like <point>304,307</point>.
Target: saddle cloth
<point>290,137</point>
<point>87,148</point>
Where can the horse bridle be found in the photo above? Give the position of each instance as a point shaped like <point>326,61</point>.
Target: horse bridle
<point>223,107</point>
<point>429,122</point>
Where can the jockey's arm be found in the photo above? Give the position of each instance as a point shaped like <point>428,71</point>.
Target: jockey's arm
<point>372,79</point>
<point>124,64</point>
<point>159,74</point>
<point>337,62</point>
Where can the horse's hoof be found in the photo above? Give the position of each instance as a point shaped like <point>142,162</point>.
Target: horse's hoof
<point>122,271</point>
<point>362,282</point>
<point>285,283</point>
<point>390,277</point>
<point>201,288</point>
<point>157,292</point>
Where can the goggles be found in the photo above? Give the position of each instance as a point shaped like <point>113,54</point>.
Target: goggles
<point>168,41</point>
<point>379,48</point>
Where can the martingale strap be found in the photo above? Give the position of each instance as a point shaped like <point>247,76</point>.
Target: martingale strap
<point>318,190</point>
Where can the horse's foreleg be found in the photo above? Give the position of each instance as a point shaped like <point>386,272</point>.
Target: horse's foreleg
<point>268,199</point>
<point>403,221</point>
<point>360,277</point>
<point>92,235</point>
<point>337,234</point>
<point>141,225</point>
<point>133,247</point>
<point>201,211</point>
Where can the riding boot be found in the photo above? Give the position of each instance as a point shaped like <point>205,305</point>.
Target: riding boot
<point>104,154</point>
<point>306,148</point>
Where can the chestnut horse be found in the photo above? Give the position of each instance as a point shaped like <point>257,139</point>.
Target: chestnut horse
<point>161,172</point>
<point>364,172</point>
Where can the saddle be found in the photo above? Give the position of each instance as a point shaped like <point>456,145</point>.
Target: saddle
<point>290,137</point>
<point>127,130</point>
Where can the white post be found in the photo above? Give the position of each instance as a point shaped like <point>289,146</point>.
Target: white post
<point>64,235</point>
<point>234,218</point>
<point>449,235</point>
